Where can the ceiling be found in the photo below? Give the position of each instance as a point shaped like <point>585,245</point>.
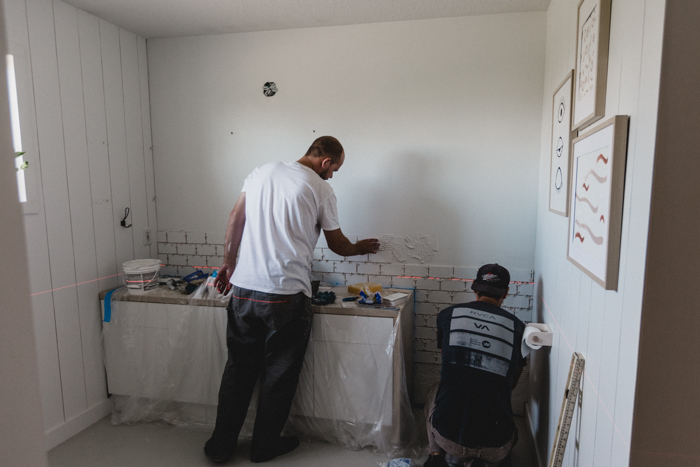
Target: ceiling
<point>172,18</point>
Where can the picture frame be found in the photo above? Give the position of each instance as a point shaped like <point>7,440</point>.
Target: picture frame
<point>592,43</point>
<point>560,148</point>
<point>597,191</point>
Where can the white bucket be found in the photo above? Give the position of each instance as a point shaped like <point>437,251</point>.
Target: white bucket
<point>141,275</point>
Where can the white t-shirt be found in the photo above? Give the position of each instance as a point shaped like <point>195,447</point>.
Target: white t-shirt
<point>286,206</point>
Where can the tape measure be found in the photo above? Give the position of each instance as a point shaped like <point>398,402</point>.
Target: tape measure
<point>573,387</point>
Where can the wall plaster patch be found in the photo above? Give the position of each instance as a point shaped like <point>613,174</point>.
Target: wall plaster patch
<point>419,246</point>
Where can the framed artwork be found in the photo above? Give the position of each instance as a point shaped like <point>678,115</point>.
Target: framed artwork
<point>597,189</point>
<point>559,167</point>
<point>590,82</point>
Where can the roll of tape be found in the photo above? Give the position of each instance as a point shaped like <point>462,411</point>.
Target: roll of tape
<point>535,336</point>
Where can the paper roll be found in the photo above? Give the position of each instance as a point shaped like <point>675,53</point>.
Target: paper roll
<point>534,337</point>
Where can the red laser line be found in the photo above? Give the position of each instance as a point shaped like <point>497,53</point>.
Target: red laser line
<point>75,285</point>
<point>587,378</point>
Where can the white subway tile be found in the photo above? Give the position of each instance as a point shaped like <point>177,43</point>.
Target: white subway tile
<point>186,249</point>
<point>426,357</point>
<point>422,295</point>
<point>167,248</point>
<point>350,268</point>
<point>428,284</point>
<point>163,258</point>
<point>322,266</point>
<point>438,296</point>
<point>354,278</point>
<point>453,285</point>
<point>431,345</point>
<point>368,268</point>
<point>216,238</point>
<point>465,273</point>
<point>197,261</point>
<point>206,250</point>
<point>424,333</point>
<point>517,301</point>
<point>526,289</point>
<point>463,297</point>
<point>318,253</point>
<point>520,275</point>
<point>441,271</point>
<point>162,236</point>
<point>215,261</point>
<point>177,237</point>
<point>423,320</point>
<point>392,269</point>
<point>177,260</point>
<point>416,270</point>
<point>426,308</point>
<point>196,237</point>
<point>404,282</point>
<point>382,256</point>
<point>384,281</point>
<point>329,255</point>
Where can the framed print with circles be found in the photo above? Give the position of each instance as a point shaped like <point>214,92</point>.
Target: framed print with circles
<point>560,153</point>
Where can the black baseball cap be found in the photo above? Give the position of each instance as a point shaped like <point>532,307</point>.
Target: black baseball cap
<point>491,278</point>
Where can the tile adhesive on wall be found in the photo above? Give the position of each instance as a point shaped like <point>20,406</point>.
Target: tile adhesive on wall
<point>436,287</point>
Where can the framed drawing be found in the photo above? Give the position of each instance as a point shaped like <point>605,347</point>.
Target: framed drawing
<point>595,220</point>
<point>590,83</point>
<point>559,167</point>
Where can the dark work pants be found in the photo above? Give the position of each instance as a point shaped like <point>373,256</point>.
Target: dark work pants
<point>266,336</point>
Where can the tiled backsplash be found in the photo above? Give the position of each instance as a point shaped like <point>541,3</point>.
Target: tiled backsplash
<point>436,287</point>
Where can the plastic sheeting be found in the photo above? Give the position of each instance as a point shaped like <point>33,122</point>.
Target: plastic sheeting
<point>165,354</point>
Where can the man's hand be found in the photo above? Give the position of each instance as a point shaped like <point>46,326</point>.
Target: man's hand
<point>368,245</point>
<point>222,279</point>
<point>340,245</point>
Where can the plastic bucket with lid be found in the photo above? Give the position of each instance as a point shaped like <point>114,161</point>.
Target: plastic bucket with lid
<point>141,275</point>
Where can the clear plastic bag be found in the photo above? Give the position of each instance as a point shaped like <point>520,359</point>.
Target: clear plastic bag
<point>164,364</point>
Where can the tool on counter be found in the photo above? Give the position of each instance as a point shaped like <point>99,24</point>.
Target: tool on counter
<point>323,298</point>
<point>573,387</point>
<point>350,299</point>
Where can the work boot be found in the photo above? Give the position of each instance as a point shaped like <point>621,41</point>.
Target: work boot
<point>217,455</point>
<point>283,446</point>
<point>435,460</point>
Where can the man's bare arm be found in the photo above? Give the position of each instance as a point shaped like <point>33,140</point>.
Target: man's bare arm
<point>234,233</point>
<point>340,245</point>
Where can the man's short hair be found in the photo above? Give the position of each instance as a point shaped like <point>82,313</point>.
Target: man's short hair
<point>490,295</point>
<point>326,146</point>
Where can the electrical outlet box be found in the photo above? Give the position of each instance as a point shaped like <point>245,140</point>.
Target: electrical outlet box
<point>147,237</point>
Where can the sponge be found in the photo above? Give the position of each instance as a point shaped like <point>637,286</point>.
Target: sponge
<point>370,288</point>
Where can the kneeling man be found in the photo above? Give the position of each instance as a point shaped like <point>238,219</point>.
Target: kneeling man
<point>469,416</point>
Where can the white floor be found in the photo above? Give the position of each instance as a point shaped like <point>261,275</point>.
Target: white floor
<point>107,445</point>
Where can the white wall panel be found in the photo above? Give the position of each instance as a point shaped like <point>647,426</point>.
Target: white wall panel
<point>134,140</point>
<point>104,218</point>
<point>78,170</point>
<point>116,138</point>
<point>56,202</point>
<point>35,224</point>
<point>64,98</point>
<point>147,144</point>
<point>603,325</point>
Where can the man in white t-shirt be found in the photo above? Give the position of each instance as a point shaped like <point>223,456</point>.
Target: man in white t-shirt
<point>276,222</point>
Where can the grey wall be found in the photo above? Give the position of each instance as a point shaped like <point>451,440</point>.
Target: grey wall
<point>666,417</point>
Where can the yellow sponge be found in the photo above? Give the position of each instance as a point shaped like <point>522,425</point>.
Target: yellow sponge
<point>368,287</point>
